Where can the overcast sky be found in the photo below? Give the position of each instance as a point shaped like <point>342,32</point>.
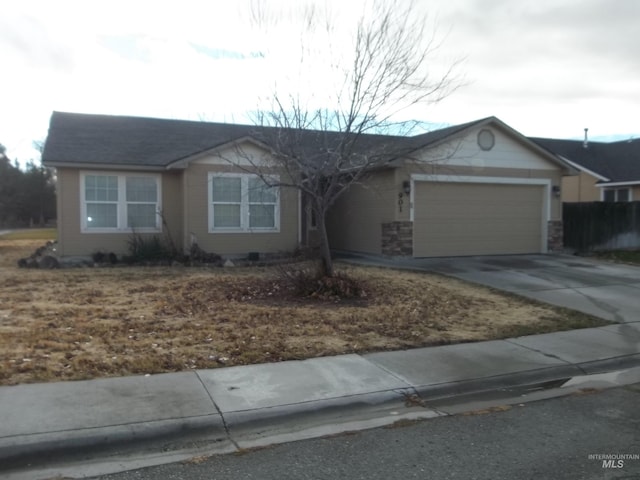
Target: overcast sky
<point>545,67</point>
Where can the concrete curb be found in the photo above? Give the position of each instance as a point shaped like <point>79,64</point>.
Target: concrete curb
<point>267,421</point>
<point>497,382</point>
<point>525,378</point>
<point>22,450</point>
<point>611,364</point>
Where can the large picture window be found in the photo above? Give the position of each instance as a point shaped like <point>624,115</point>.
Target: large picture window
<point>242,202</point>
<point>119,202</point>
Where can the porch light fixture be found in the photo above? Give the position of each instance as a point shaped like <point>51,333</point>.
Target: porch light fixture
<point>556,190</point>
<point>406,187</point>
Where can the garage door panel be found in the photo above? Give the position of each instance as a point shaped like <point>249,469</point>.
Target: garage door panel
<point>445,232</point>
<point>480,216</point>
<point>476,219</point>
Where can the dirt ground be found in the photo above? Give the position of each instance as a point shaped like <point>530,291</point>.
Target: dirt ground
<point>94,322</point>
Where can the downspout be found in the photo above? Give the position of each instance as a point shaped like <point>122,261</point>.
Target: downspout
<point>186,245</point>
<point>299,218</point>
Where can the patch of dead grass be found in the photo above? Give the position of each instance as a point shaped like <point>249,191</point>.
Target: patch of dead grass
<point>86,323</point>
<point>40,234</point>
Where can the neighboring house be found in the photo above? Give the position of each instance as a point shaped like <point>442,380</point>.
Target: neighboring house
<point>609,172</point>
<point>473,189</point>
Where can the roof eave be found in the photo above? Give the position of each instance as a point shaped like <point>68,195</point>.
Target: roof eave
<point>618,184</point>
<point>104,166</point>
<point>579,168</point>
<point>453,134</point>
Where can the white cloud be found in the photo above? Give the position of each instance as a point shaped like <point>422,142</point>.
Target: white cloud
<point>546,68</point>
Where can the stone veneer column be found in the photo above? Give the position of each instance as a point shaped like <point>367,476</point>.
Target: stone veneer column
<point>555,236</point>
<point>397,239</point>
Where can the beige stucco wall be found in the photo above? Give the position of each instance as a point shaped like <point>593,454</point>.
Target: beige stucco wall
<point>355,222</point>
<point>172,207</point>
<point>73,242</point>
<point>580,188</point>
<point>185,211</point>
<point>196,185</point>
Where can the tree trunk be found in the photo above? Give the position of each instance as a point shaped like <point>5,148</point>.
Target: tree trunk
<point>326,261</point>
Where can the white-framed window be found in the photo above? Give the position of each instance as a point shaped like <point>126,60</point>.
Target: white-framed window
<point>119,202</point>
<point>243,203</point>
<point>616,195</point>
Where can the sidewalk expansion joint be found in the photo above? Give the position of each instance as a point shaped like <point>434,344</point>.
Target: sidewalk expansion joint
<point>215,405</point>
<point>386,370</point>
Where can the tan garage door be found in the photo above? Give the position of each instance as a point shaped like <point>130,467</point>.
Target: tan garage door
<point>476,219</point>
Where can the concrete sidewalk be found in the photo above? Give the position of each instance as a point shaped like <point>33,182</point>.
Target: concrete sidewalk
<point>239,407</point>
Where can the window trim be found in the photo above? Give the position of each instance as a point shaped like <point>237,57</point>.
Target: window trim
<point>121,203</point>
<point>244,204</point>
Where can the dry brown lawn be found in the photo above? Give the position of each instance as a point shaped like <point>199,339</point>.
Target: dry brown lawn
<point>96,322</point>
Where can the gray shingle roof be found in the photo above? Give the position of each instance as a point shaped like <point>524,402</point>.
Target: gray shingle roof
<point>131,141</point>
<point>106,140</point>
<point>616,161</point>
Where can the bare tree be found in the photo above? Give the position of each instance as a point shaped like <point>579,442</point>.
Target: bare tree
<point>326,134</point>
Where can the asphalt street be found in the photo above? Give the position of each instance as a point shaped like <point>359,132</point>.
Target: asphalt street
<point>587,436</point>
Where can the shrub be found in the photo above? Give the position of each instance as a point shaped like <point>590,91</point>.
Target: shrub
<point>103,257</point>
<point>146,249</point>
<point>310,282</point>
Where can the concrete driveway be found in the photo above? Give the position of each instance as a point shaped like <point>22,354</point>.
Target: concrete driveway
<point>607,290</point>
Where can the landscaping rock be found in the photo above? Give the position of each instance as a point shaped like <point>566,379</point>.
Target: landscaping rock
<point>48,262</point>
<point>43,257</point>
<point>32,263</point>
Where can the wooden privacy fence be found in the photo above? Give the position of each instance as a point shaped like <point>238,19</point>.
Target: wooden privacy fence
<point>601,225</point>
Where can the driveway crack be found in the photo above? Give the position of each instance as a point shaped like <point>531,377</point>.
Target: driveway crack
<point>597,303</point>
